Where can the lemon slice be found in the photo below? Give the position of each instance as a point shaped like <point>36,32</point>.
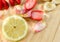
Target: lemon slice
<point>48,6</point>
<point>56,1</point>
<point>14,28</point>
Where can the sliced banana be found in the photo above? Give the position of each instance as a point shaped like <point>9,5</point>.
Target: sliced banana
<point>56,1</point>
<point>48,6</point>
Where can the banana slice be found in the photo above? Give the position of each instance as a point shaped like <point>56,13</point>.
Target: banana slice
<point>48,6</point>
<point>56,1</point>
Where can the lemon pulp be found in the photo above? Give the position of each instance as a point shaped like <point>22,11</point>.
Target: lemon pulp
<point>14,28</point>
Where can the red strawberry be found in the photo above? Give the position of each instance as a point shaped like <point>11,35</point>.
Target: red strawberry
<point>12,2</point>
<point>5,4</point>
<point>1,5</point>
<point>18,1</point>
<point>24,10</point>
<point>29,13</point>
<point>39,26</point>
<point>37,15</point>
<point>30,4</point>
<point>20,9</point>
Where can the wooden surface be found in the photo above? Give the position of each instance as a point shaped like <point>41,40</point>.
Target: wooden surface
<point>50,34</point>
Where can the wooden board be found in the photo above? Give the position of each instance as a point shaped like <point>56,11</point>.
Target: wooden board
<point>50,34</point>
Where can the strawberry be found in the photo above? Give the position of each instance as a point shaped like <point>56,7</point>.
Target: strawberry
<point>5,4</point>
<point>37,15</point>
<point>1,5</point>
<point>12,2</point>
<point>18,1</point>
<point>20,9</point>
<point>30,4</point>
<point>23,11</point>
<point>39,26</point>
<point>29,13</point>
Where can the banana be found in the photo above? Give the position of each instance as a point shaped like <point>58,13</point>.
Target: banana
<point>48,6</point>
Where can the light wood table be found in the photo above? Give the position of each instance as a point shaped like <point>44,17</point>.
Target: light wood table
<point>52,32</point>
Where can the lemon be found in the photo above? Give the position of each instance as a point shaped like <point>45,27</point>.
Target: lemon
<point>14,28</point>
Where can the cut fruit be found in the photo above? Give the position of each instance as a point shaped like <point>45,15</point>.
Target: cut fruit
<point>1,5</point>
<point>18,1</point>
<point>30,4</point>
<point>56,1</point>
<point>5,4</point>
<point>12,2</point>
<point>37,15</point>
<point>39,26</point>
<point>29,13</point>
<point>48,6</point>
<point>14,28</point>
<point>20,9</point>
<point>17,9</point>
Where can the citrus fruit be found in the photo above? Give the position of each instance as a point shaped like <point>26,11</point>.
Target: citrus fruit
<point>14,28</point>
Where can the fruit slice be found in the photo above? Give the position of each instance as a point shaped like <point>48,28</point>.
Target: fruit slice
<point>30,4</point>
<point>26,15</point>
<point>48,6</point>
<point>1,5</point>
<point>29,13</point>
<point>37,15</point>
<point>5,4</point>
<point>17,9</point>
<point>12,2</point>
<point>14,28</point>
<point>20,9</point>
<point>56,1</point>
<point>18,1</point>
<point>24,10</point>
<point>39,26</point>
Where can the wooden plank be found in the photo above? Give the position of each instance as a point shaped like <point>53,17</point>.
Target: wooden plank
<point>57,36</point>
<point>52,26</point>
<point>47,35</point>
